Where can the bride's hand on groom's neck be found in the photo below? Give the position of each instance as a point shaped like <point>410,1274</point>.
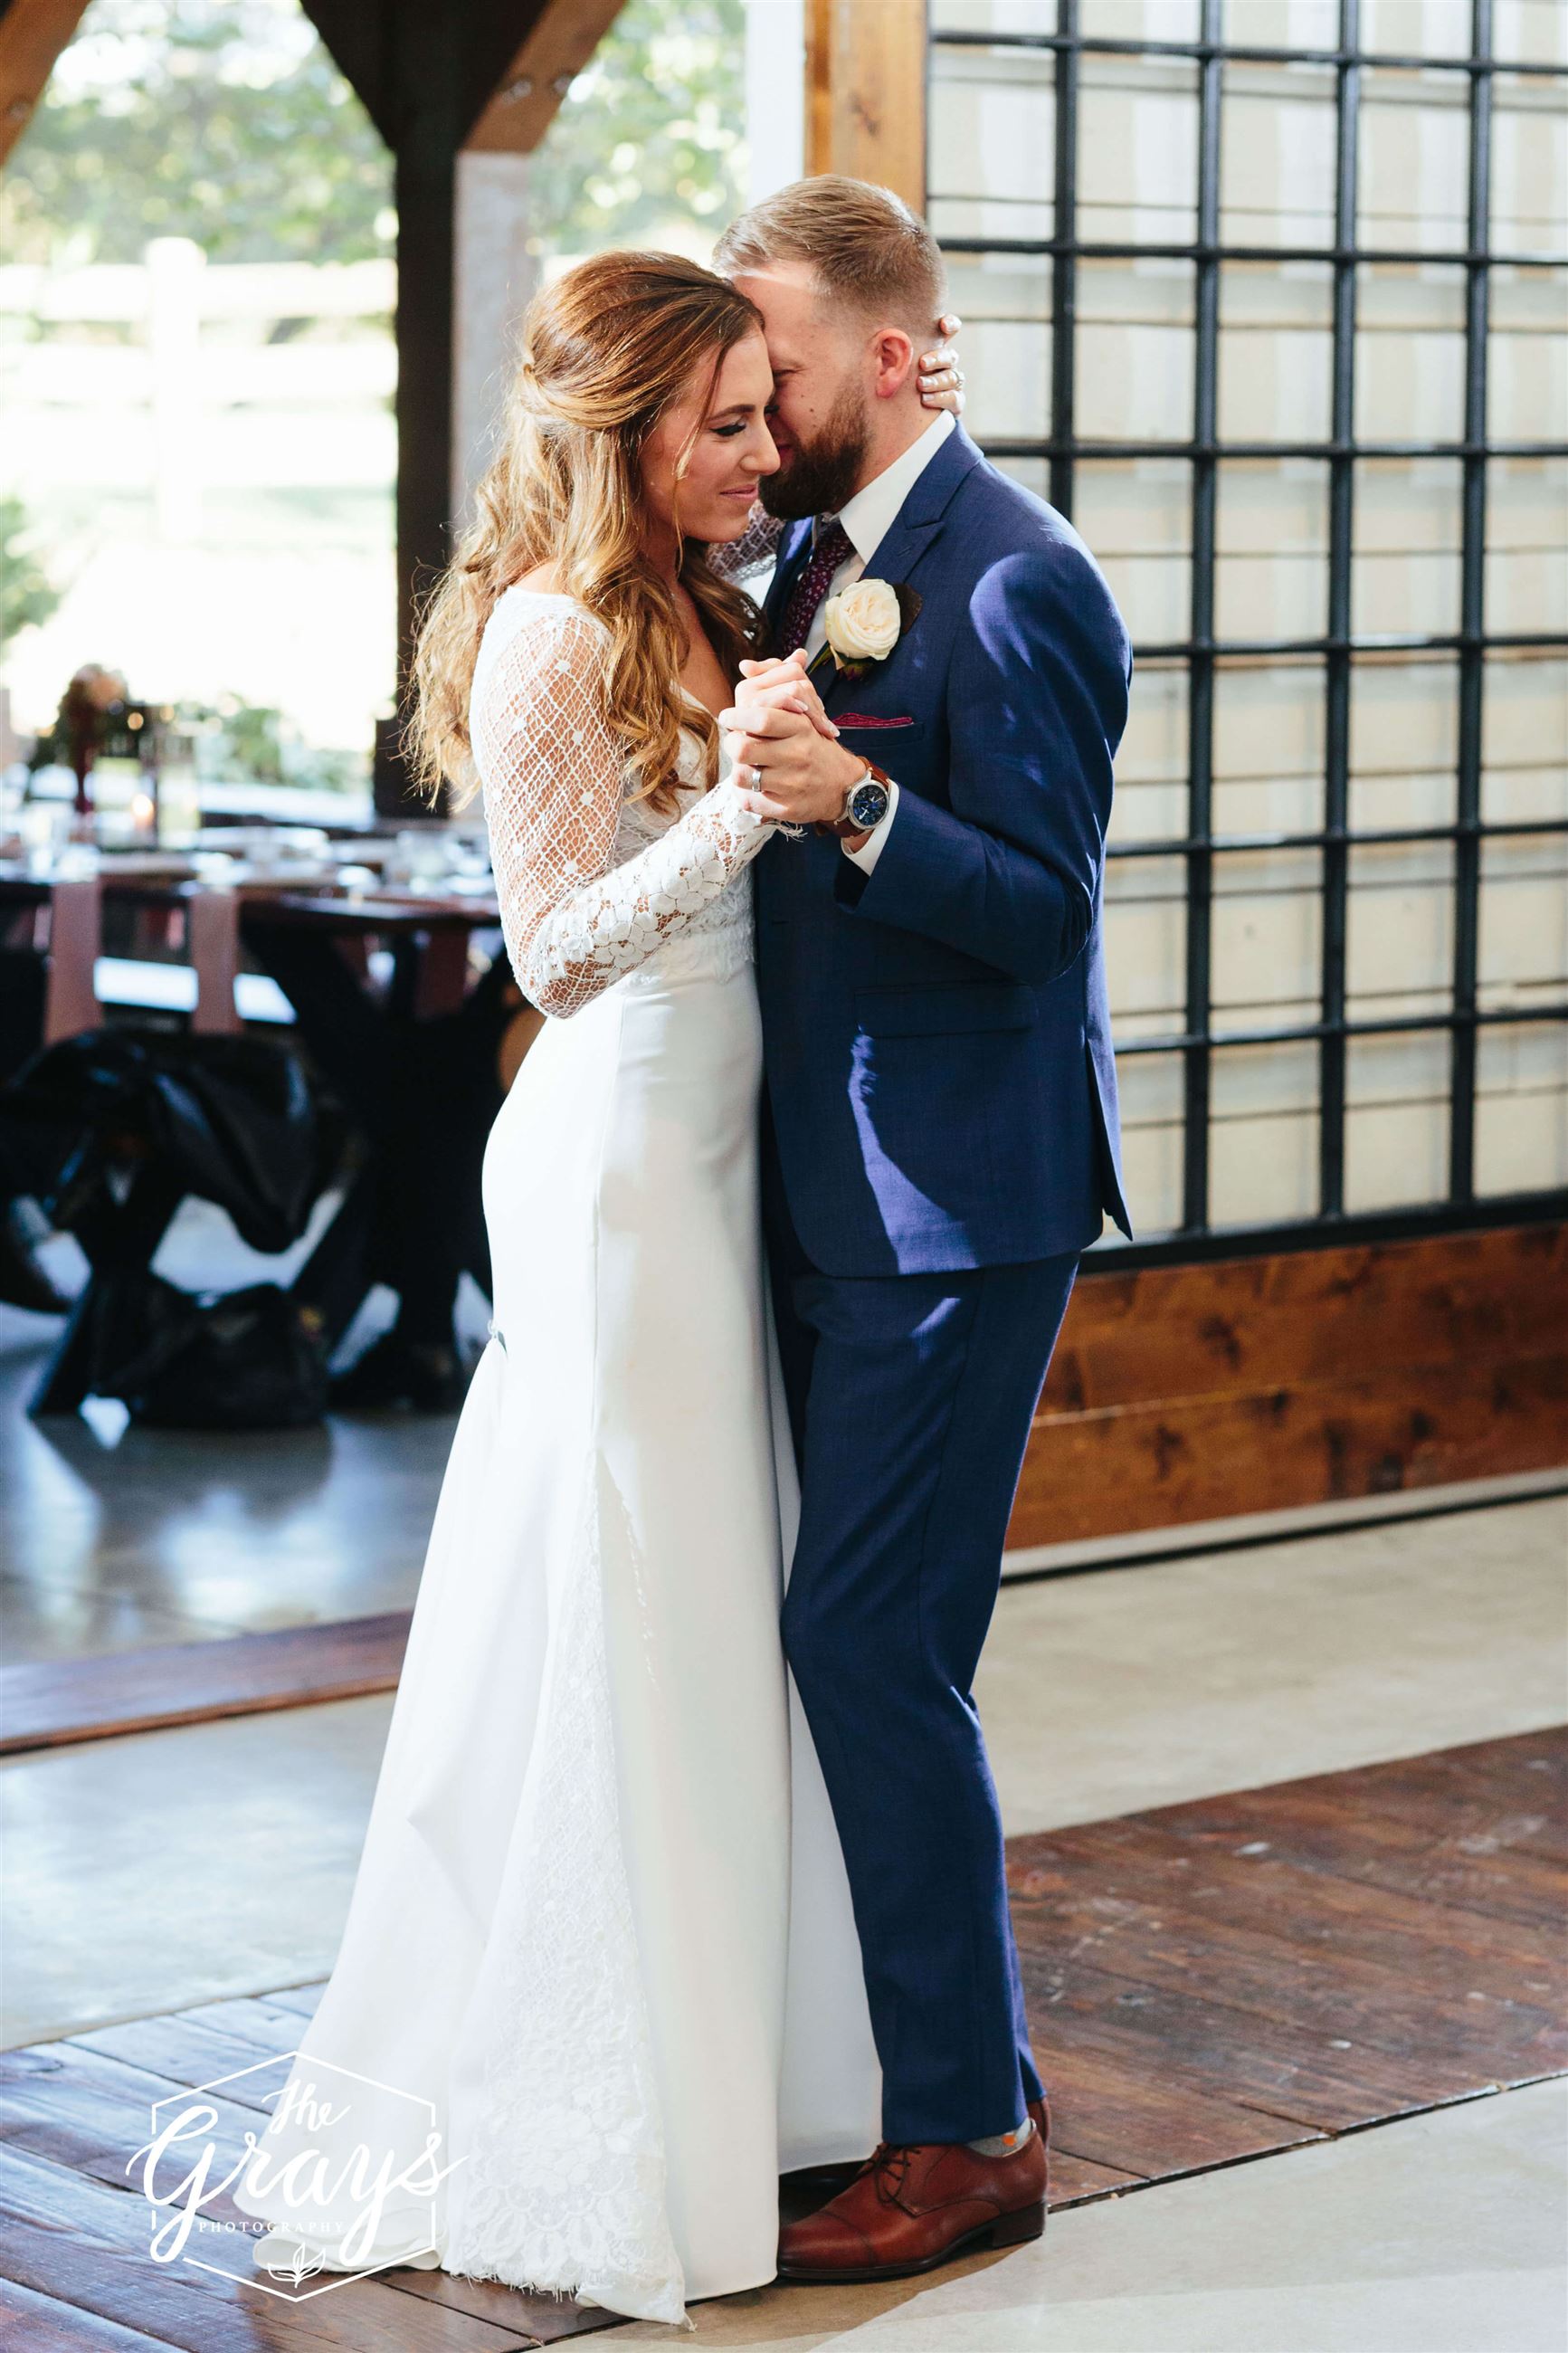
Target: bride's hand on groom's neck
<point>941,377</point>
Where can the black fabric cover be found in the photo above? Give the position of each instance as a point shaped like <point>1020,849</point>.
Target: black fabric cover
<point>246,1360</point>
<point>232,1119</point>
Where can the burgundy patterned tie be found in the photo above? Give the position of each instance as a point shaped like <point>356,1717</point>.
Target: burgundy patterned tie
<point>833,544</point>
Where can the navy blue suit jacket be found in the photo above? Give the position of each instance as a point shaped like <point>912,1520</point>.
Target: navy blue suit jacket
<point>936,1033</point>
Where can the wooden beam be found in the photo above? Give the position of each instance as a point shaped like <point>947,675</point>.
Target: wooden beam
<point>539,74</point>
<point>357,40</point>
<point>866,92</point>
<point>32,35</point>
<point>382,51</point>
<point>1265,1384</point>
<point>369,44</point>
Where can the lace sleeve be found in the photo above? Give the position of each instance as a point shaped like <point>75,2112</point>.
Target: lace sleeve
<point>732,559</point>
<point>554,773</point>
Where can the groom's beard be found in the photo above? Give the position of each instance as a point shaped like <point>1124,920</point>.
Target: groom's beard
<point>822,476</point>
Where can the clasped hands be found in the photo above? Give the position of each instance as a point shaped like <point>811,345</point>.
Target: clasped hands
<point>789,763</point>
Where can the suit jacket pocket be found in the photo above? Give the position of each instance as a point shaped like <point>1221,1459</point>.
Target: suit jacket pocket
<point>869,722</point>
<point>957,1006</point>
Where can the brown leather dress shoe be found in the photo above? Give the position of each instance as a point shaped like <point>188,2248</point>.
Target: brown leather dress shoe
<point>911,2207</point>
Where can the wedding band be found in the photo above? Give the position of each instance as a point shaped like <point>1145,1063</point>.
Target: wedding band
<point>750,777</point>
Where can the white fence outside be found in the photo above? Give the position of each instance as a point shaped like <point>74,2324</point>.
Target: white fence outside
<point>201,398</point>
<point>217,505</point>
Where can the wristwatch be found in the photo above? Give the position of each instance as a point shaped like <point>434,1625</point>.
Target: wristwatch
<point>865,805</point>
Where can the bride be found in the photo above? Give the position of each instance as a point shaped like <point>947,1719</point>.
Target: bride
<point>600,1982</point>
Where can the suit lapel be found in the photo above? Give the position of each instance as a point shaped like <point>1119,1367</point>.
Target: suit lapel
<point>913,533</point>
<point>920,518</point>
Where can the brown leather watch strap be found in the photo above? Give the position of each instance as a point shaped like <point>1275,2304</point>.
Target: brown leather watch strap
<point>845,827</point>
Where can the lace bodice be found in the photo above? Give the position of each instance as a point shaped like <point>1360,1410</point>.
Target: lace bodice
<point>590,884</point>
<point>754,551</point>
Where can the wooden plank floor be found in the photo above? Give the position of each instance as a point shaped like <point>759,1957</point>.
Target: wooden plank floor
<point>1207,1983</point>
<point>1245,1973</point>
<point>48,1702</point>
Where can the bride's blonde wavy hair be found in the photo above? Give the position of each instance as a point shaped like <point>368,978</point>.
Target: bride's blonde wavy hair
<point>606,353</point>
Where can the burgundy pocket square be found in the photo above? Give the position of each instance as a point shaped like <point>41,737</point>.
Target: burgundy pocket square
<point>868,719</point>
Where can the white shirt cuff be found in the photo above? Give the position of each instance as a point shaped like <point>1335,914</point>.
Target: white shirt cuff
<point>870,849</point>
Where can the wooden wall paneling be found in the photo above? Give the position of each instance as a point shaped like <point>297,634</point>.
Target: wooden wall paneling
<point>1156,1466</point>
<point>866,92</point>
<point>1287,1317</point>
<point>1265,1384</point>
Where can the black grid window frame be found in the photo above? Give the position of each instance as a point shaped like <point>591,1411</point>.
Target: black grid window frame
<point>1203,652</point>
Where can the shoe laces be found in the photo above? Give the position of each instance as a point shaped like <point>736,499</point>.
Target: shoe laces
<point>889,2163</point>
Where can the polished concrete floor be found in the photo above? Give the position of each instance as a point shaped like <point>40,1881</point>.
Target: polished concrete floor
<point>165,1868</point>
<point>1144,1686</point>
<point>1441,2234</point>
<point>1098,1694</point>
<point>113,1538</point>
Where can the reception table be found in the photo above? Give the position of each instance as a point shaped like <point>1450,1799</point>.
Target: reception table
<point>217,918</point>
<point>427,930</point>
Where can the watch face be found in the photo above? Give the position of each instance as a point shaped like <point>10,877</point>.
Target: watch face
<point>868,804</point>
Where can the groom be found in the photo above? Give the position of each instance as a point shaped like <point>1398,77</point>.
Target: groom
<point>939,1143</point>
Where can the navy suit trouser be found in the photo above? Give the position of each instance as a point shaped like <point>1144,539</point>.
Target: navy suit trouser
<point>911,1398</point>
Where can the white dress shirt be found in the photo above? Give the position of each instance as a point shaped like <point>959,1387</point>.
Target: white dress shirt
<point>867,518</point>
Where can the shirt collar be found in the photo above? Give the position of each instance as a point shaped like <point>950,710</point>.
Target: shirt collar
<point>870,514</point>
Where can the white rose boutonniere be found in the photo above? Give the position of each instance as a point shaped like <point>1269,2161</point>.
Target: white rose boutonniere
<point>865,621</point>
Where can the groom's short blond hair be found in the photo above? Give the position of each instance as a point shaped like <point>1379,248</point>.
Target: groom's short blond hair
<point>865,245</point>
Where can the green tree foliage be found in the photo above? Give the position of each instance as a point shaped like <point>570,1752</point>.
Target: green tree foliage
<point>27,595</point>
<point>652,133</point>
<point>243,743</point>
<point>230,123</point>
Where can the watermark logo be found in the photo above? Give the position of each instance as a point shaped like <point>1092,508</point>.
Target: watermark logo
<point>360,2158</point>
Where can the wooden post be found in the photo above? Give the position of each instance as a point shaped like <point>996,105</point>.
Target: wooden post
<point>426,187</point>
<point>495,277</point>
<point>866,92</point>
<point>438,76</point>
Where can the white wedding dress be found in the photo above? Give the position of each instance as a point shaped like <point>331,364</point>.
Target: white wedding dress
<point>601,1936</point>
